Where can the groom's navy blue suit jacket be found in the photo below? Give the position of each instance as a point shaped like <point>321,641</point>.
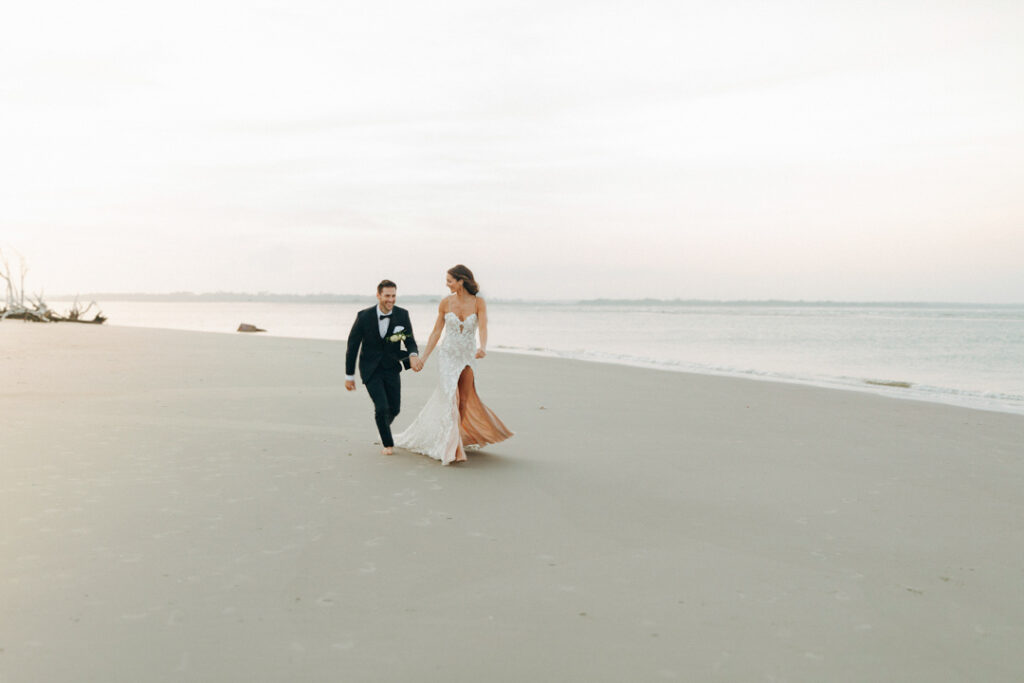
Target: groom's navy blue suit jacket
<point>377,353</point>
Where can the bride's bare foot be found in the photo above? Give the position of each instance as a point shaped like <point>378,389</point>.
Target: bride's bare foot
<point>388,451</point>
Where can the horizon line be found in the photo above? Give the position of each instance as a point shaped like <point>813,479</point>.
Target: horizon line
<point>325,297</point>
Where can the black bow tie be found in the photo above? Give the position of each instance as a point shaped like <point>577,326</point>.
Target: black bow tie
<point>385,316</point>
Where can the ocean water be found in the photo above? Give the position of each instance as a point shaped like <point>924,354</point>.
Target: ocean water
<point>970,355</point>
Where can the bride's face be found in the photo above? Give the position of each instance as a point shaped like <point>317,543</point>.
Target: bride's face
<point>453,284</point>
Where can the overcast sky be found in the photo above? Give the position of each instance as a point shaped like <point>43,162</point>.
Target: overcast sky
<point>561,149</point>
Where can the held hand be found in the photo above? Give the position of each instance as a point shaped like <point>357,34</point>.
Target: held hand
<point>350,384</point>
<point>480,353</point>
<point>416,363</point>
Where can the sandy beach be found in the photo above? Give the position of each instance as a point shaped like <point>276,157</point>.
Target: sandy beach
<point>181,506</point>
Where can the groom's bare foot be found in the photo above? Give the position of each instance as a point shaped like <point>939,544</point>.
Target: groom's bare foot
<point>388,451</point>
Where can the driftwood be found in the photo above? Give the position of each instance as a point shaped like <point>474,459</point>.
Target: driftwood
<point>35,309</point>
<point>45,315</point>
<point>77,314</point>
<point>246,327</point>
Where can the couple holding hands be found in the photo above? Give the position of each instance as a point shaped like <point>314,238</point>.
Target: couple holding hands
<point>454,418</point>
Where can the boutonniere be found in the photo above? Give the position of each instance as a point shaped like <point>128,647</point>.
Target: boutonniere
<point>398,337</point>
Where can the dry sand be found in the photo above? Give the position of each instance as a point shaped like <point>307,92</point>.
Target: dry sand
<point>194,507</point>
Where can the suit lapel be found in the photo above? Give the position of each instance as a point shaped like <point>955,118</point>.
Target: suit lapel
<point>374,324</point>
<point>372,328</point>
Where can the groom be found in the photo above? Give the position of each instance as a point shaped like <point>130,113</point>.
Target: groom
<point>381,330</point>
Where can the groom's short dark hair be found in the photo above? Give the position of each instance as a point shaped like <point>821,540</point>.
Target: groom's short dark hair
<point>385,283</point>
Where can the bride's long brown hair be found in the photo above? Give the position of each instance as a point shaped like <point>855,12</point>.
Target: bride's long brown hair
<point>465,276</point>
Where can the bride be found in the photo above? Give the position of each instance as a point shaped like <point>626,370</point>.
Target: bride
<point>454,417</point>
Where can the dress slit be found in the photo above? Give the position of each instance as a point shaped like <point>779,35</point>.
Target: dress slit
<point>454,418</point>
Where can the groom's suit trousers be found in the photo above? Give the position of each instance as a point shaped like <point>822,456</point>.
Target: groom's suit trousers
<point>385,389</point>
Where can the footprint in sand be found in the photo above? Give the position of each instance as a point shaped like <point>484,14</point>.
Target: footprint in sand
<point>268,551</point>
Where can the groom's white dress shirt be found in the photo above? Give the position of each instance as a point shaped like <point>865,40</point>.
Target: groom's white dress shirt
<point>382,321</point>
<point>382,325</point>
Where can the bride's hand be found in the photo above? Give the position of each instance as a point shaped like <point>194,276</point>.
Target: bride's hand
<point>480,353</point>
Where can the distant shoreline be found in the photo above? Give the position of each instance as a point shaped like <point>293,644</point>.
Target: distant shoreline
<point>268,297</point>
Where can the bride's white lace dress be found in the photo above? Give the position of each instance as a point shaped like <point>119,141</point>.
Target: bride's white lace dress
<point>449,422</point>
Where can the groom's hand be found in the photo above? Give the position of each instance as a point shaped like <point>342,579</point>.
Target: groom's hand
<point>416,363</point>
<point>350,384</point>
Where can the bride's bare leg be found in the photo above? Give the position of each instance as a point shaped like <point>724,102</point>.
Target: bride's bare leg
<point>467,388</point>
<point>465,391</point>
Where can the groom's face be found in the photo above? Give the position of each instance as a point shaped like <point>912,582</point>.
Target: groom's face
<point>386,299</point>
